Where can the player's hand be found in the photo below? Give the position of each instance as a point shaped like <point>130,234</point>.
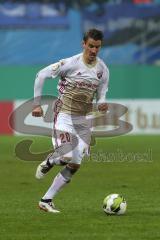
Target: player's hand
<point>103,107</point>
<point>37,111</point>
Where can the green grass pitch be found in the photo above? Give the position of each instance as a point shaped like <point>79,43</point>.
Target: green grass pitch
<point>129,165</point>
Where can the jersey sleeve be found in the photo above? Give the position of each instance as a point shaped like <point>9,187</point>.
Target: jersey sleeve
<point>51,71</point>
<point>103,86</point>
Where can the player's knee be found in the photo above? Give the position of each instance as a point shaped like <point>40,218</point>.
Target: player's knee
<point>69,171</point>
<point>58,157</point>
<point>65,160</point>
<point>74,166</point>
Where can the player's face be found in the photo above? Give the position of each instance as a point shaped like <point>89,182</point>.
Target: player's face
<point>91,49</point>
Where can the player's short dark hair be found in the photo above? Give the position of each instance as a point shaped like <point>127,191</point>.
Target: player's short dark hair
<point>93,33</point>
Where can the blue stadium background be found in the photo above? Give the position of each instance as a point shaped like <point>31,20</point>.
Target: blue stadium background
<point>34,34</point>
<point>41,33</point>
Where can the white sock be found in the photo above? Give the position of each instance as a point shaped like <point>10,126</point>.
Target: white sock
<point>58,182</point>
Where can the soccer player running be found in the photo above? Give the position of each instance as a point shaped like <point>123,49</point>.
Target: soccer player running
<point>82,77</point>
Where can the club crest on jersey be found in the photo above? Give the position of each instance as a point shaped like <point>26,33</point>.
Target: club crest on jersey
<point>99,75</point>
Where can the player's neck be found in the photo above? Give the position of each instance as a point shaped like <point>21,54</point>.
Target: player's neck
<point>88,62</point>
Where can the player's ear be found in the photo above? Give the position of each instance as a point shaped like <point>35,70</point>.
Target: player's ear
<point>83,44</point>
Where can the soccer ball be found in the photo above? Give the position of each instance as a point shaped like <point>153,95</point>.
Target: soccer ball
<point>114,204</point>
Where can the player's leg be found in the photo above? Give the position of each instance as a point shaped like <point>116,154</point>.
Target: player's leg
<point>65,175</point>
<point>62,144</point>
<point>62,178</point>
<point>74,156</point>
<point>55,158</point>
